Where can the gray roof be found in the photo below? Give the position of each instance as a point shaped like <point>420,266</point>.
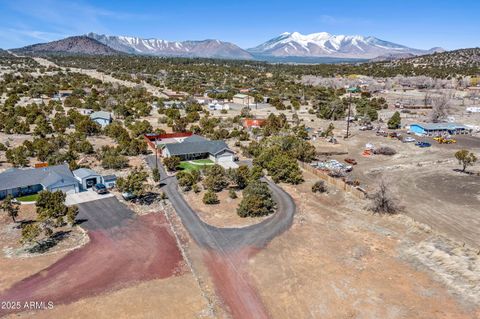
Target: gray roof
<point>441,126</point>
<point>101,115</point>
<point>109,178</point>
<point>46,176</point>
<point>210,147</point>
<point>84,172</point>
<point>195,138</point>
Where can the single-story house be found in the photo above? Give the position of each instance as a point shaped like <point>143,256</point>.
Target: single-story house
<point>19,182</point>
<point>253,123</point>
<point>243,99</point>
<point>63,93</point>
<point>101,117</point>
<point>197,147</point>
<point>436,129</point>
<point>174,104</point>
<point>87,177</point>
<point>109,180</point>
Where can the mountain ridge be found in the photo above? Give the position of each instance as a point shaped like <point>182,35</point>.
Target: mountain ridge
<point>323,44</point>
<point>288,46</point>
<point>73,45</point>
<point>209,48</point>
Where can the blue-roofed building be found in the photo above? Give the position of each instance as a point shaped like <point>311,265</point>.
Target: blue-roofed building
<point>438,129</point>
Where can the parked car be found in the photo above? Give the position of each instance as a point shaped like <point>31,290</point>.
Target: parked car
<point>409,139</point>
<point>100,188</point>
<point>351,161</point>
<point>423,144</point>
<point>128,196</point>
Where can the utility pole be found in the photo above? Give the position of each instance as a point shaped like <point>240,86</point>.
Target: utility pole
<point>156,154</point>
<point>348,117</point>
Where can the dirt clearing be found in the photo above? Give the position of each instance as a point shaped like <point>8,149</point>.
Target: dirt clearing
<point>140,250</point>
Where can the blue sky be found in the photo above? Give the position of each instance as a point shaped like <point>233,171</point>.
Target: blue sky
<point>416,23</point>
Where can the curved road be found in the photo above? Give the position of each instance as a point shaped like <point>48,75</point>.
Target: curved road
<point>223,239</point>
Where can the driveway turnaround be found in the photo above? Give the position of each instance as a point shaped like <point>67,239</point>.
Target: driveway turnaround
<point>82,197</point>
<point>103,213</point>
<point>227,249</point>
<point>124,249</point>
<point>225,239</point>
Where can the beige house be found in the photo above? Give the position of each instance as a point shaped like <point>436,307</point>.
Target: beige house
<point>243,99</point>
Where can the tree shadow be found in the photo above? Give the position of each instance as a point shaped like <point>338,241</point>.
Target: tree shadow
<point>80,221</point>
<point>458,170</point>
<point>147,199</point>
<point>46,244</point>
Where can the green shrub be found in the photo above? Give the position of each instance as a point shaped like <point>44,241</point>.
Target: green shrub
<point>232,194</point>
<point>210,198</point>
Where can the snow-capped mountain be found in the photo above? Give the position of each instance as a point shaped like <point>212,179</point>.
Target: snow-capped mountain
<point>205,49</point>
<point>324,44</point>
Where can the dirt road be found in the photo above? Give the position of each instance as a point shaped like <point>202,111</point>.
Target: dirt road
<point>105,77</point>
<point>132,250</point>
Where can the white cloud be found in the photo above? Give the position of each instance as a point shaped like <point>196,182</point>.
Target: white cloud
<point>47,20</point>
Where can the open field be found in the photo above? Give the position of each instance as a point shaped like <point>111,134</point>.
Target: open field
<point>425,180</point>
<point>353,266</point>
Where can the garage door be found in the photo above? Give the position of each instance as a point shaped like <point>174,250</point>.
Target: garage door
<point>66,189</point>
<point>226,160</point>
<point>225,157</point>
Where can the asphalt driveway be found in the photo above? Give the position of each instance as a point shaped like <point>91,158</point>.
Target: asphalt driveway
<point>223,239</point>
<point>103,213</point>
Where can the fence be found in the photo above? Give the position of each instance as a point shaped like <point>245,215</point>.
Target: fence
<point>337,182</point>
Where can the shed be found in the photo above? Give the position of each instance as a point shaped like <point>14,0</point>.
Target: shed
<point>109,180</point>
<point>87,177</point>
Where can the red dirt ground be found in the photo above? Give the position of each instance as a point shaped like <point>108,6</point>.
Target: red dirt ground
<point>143,249</point>
<point>233,284</point>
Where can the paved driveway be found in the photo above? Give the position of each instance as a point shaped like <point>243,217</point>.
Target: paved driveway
<point>103,213</point>
<point>83,197</point>
<point>222,239</point>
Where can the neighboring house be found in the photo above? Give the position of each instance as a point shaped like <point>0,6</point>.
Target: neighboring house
<point>87,177</point>
<point>19,182</point>
<point>436,129</point>
<point>109,180</point>
<point>174,104</point>
<point>218,107</point>
<point>243,99</point>
<point>197,147</point>
<point>101,117</point>
<point>64,93</point>
<point>253,123</point>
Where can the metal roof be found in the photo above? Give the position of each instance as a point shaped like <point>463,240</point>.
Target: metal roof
<point>199,147</point>
<point>84,172</point>
<point>101,115</point>
<point>45,176</point>
<point>195,138</point>
<point>441,126</point>
<point>109,178</point>
<point>241,96</point>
